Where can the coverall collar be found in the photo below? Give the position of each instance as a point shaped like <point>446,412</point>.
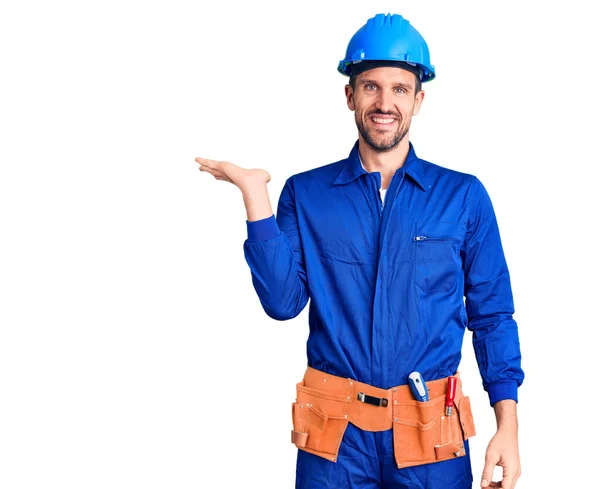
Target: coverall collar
<point>352,168</point>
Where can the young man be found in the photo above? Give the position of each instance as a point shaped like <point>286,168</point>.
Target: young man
<point>398,256</point>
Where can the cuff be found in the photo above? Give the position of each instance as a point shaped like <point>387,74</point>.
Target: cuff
<point>502,389</point>
<point>262,229</point>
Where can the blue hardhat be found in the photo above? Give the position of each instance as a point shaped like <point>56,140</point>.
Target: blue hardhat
<point>390,39</point>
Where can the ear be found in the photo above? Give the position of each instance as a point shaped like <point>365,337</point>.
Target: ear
<point>418,101</point>
<point>349,97</point>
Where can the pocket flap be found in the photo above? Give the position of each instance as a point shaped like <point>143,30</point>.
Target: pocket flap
<point>447,449</point>
<point>441,230</point>
<point>318,412</point>
<point>415,423</point>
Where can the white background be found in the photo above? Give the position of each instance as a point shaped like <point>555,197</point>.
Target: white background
<point>132,343</point>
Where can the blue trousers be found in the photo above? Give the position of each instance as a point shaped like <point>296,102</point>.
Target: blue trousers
<point>366,461</point>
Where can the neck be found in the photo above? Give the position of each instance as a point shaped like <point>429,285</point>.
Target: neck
<point>386,162</point>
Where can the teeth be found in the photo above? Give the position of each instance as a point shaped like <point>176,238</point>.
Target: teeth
<point>383,121</point>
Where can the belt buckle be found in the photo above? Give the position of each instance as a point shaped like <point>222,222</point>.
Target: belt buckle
<point>375,401</point>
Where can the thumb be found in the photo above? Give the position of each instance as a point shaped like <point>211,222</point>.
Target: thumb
<point>488,473</point>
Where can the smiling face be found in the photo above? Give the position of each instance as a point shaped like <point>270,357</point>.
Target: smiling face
<point>384,100</point>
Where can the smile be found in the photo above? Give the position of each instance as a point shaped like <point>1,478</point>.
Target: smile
<point>380,120</point>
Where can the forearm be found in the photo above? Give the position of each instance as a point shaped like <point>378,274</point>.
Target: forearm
<point>506,416</point>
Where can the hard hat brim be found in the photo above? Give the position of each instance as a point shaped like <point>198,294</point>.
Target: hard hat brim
<point>349,68</point>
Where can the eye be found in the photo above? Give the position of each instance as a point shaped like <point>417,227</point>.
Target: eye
<point>368,85</point>
<point>402,90</point>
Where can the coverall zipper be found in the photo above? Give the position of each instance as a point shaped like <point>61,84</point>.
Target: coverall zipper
<point>440,238</point>
<point>381,333</point>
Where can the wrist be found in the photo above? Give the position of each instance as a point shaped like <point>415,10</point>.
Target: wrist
<point>257,203</point>
<point>252,188</point>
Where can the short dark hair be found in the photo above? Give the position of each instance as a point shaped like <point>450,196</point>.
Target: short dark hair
<point>352,83</point>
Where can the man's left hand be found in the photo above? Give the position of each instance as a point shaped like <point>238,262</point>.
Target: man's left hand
<point>503,449</point>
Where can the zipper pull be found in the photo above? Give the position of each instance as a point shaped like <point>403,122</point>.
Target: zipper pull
<point>420,238</point>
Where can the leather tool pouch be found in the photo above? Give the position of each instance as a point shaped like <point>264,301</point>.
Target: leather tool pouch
<point>320,419</point>
<point>424,434</point>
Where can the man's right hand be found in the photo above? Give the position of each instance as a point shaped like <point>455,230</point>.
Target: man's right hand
<point>252,183</point>
<point>242,178</point>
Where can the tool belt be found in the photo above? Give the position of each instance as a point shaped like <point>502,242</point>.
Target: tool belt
<point>422,432</point>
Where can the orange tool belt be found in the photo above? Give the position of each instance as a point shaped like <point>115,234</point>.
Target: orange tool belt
<point>422,433</point>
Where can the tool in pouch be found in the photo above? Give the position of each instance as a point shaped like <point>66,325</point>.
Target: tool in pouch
<point>422,433</point>
<point>418,387</point>
<point>450,394</point>
<point>421,393</point>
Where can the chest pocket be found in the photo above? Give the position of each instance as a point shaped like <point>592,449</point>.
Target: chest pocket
<point>438,262</point>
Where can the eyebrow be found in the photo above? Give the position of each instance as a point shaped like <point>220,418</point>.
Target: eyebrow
<point>397,84</point>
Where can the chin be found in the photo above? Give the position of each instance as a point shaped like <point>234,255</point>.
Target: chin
<point>383,147</point>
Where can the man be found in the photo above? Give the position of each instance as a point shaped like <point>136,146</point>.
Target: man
<point>398,256</point>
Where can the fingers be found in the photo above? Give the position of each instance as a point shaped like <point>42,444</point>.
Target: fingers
<point>488,472</point>
<point>509,478</point>
<point>486,480</point>
<point>518,474</point>
<point>210,170</point>
<point>214,164</point>
<point>219,175</point>
<point>215,173</point>
<point>209,163</point>
<point>214,167</point>
<point>510,473</point>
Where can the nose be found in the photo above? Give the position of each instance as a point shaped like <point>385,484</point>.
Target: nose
<point>385,102</point>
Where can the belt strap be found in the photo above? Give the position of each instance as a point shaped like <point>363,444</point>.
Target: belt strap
<point>371,407</point>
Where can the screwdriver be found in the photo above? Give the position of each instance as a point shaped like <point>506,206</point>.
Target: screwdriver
<point>450,393</point>
<point>418,387</point>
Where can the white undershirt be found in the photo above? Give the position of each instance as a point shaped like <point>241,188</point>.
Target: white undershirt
<point>381,190</point>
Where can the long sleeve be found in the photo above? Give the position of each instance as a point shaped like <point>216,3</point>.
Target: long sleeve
<point>273,251</point>
<point>489,301</point>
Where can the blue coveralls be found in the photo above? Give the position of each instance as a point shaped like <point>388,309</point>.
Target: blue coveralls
<point>392,290</point>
